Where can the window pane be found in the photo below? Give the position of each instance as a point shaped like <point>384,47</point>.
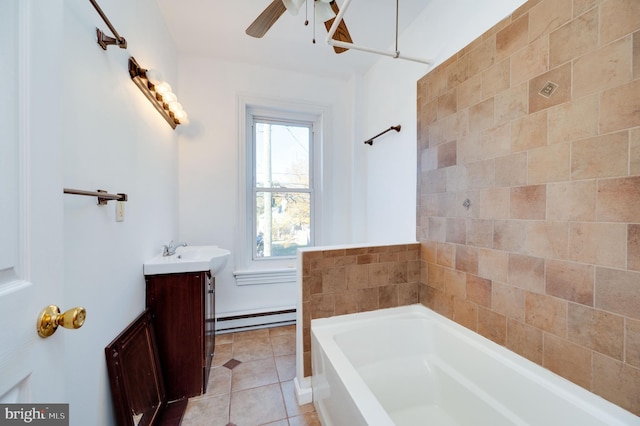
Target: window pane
<point>283,223</point>
<point>282,156</point>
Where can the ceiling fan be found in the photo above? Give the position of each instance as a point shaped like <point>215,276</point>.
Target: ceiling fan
<point>326,10</point>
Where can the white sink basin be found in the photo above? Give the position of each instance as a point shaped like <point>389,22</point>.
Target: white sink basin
<point>189,259</point>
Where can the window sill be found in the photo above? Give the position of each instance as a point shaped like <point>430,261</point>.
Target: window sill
<point>271,276</point>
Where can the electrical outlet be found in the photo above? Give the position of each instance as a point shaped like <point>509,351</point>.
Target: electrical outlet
<point>119,211</point>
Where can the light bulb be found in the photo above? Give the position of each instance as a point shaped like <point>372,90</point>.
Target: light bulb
<point>174,107</point>
<point>180,115</point>
<point>162,88</point>
<point>154,76</point>
<point>169,97</point>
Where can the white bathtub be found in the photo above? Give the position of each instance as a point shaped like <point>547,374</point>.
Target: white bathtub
<point>412,366</point>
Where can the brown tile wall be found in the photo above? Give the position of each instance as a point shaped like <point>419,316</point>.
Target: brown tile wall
<point>546,260</point>
<point>346,281</point>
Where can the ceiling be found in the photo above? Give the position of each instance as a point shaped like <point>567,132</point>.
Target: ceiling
<point>216,28</point>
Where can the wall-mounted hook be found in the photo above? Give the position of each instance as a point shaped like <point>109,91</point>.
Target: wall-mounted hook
<point>396,128</point>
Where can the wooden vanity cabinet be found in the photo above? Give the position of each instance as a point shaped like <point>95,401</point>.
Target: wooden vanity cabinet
<point>182,308</point>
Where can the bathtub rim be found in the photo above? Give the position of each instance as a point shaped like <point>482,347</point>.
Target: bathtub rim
<point>324,330</point>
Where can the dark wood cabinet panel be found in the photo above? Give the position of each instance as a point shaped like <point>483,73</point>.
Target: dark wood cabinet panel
<point>135,377</point>
<point>179,305</point>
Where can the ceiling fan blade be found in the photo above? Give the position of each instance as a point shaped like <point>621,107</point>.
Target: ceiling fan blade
<point>266,19</point>
<point>342,33</point>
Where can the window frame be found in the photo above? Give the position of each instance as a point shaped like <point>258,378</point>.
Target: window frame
<point>251,199</point>
<point>275,110</point>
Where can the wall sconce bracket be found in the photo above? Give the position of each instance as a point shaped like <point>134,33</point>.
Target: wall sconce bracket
<point>104,40</point>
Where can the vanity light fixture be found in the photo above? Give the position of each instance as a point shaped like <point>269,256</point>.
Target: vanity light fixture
<point>159,94</point>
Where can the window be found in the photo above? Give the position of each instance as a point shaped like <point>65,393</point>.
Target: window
<point>280,186</point>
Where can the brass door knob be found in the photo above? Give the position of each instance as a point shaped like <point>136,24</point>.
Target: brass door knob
<point>50,318</point>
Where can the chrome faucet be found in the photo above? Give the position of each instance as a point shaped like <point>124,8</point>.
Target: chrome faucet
<point>170,249</point>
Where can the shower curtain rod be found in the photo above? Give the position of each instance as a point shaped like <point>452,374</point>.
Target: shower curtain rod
<point>103,39</point>
<point>396,128</point>
<point>396,55</point>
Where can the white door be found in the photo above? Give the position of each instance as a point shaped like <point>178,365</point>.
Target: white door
<point>31,266</point>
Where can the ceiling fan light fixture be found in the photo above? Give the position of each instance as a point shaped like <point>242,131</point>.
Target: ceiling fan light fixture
<point>293,6</point>
<point>323,11</point>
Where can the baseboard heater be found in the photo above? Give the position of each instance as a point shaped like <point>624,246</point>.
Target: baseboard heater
<point>233,323</point>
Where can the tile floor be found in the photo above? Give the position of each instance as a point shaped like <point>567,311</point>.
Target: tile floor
<point>251,383</point>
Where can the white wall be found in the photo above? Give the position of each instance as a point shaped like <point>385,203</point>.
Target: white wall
<point>209,163</point>
<point>389,93</point>
<point>370,191</point>
<point>112,139</point>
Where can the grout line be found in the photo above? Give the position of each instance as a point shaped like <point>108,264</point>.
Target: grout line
<point>278,376</point>
<point>230,387</point>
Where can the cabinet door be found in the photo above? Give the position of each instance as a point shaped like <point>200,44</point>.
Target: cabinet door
<point>177,305</point>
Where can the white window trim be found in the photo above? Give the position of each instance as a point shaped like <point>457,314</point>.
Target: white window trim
<point>247,270</point>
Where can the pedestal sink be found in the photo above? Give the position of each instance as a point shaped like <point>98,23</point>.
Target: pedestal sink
<point>188,259</point>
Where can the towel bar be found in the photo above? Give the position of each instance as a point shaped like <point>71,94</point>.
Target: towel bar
<point>103,196</point>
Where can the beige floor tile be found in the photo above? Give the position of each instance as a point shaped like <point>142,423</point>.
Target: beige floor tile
<point>224,338</point>
<point>286,367</point>
<point>252,374</point>
<point>306,419</point>
<point>285,329</point>
<point>257,406</point>
<point>222,354</point>
<point>258,347</point>
<point>219,381</point>
<point>290,401</point>
<point>211,411</point>
<point>283,422</point>
<point>261,333</point>
<point>283,344</point>
<point>259,390</point>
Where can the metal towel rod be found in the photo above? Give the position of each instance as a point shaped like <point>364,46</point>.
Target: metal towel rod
<point>103,39</point>
<point>396,128</point>
<point>103,196</point>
